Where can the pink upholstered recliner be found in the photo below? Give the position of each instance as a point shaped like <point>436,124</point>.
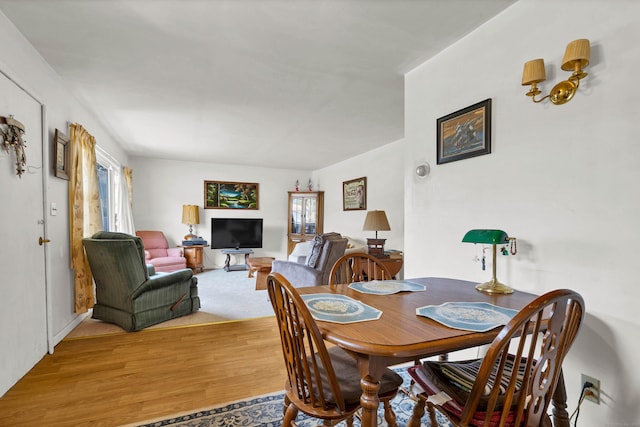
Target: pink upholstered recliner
<point>158,253</point>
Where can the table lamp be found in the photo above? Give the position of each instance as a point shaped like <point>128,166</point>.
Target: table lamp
<point>490,237</point>
<point>190,216</point>
<point>376,221</point>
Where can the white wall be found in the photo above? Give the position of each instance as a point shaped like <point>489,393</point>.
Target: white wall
<point>562,179</point>
<point>383,168</point>
<point>161,187</point>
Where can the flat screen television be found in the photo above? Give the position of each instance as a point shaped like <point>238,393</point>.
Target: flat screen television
<point>236,233</point>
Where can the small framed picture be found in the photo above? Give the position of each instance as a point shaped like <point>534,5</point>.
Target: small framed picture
<point>354,194</point>
<point>61,155</point>
<point>464,133</point>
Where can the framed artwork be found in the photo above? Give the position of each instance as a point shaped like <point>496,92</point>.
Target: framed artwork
<point>61,155</point>
<point>465,133</point>
<point>354,194</point>
<point>230,195</point>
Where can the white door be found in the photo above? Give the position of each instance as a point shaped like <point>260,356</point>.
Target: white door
<point>23,324</point>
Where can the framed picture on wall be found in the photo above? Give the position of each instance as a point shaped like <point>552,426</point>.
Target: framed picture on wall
<point>61,155</point>
<point>230,195</point>
<point>354,194</point>
<point>464,133</point>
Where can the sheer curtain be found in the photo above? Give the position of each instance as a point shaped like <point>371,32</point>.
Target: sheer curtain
<point>84,211</point>
<point>125,205</point>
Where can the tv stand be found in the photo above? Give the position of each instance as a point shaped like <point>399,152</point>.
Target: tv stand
<point>236,267</point>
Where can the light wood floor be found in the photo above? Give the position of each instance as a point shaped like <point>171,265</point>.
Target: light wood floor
<point>126,378</point>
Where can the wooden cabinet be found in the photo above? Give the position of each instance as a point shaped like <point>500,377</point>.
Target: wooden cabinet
<point>195,257</point>
<point>305,216</point>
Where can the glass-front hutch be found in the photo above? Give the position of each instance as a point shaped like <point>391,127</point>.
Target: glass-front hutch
<point>305,216</point>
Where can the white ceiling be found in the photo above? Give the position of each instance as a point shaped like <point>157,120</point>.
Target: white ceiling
<point>282,83</point>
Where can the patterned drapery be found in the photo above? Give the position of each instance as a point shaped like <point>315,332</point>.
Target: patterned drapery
<point>128,178</point>
<point>84,211</point>
<point>125,205</point>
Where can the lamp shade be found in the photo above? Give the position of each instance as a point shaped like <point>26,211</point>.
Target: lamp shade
<point>376,221</point>
<point>533,72</point>
<point>490,237</point>
<point>577,55</point>
<point>190,214</point>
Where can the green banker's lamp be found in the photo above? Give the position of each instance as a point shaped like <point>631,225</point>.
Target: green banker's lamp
<point>490,237</point>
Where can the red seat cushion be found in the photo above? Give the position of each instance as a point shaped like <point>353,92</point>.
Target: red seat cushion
<point>431,379</point>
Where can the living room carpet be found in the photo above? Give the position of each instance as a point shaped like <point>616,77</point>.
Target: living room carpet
<point>266,411</point>
<point>224,296</point>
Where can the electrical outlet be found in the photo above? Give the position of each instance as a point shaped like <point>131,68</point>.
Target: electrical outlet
<point>592,393</point>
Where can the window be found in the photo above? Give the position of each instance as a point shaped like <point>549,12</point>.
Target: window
<point>109,176</point>
<point>104,180</point>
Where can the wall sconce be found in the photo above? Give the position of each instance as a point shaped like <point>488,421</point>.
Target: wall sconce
<point>576,57</point>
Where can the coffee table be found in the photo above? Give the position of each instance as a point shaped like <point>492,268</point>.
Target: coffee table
<point>262,267</point>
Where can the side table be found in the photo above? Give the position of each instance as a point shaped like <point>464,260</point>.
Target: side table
<point>195,257</point>
<point>235,267</point>
<point>393,265</point>
<point>262,267</point>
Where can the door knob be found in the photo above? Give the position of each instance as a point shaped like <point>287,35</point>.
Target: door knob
<point>41,241</point>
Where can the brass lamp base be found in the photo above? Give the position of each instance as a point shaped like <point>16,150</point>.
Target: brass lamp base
<point>494,287</point>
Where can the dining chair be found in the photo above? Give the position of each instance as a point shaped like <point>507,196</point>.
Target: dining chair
<point>357,267</point>
<point>485,392</point>
<point>322,382</point>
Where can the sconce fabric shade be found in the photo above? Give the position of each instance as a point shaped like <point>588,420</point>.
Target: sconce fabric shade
<point>533,72</point>
<point>488,237</point>
<point>376,221</point>
<point>577,55</point>
<point>190,214</point>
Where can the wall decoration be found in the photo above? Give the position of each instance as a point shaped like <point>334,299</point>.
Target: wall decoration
<point>230,195</point>
<point>11,137</point>
<point>354,194</point>
<point>465,133</point>
<point>61,157</point>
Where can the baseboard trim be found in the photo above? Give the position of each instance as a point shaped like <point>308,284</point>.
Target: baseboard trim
<point>67,329</point>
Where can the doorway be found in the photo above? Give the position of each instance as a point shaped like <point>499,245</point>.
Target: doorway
<point>23,319</point>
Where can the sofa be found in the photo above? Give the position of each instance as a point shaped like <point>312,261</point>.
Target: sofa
<point>158,253</point>
<point>301,250</point>
<point>355,246</point>
<point>315,268</point>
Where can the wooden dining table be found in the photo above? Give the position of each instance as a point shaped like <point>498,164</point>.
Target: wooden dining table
<point>399,335</point>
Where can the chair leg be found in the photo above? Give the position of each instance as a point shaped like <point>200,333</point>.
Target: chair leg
<point>418,411</point>
<point>389,415</point>
<point>289,415</point>
<point>285,405</point>
<point>432,414</point>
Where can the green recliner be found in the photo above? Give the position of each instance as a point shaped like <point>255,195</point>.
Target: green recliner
<point>129,292</point>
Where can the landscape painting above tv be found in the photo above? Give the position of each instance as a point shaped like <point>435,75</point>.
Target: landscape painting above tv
<point>230,195</point>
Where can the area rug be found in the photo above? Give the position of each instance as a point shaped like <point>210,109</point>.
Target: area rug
<point>266,411</point>
<point>224,296</point>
